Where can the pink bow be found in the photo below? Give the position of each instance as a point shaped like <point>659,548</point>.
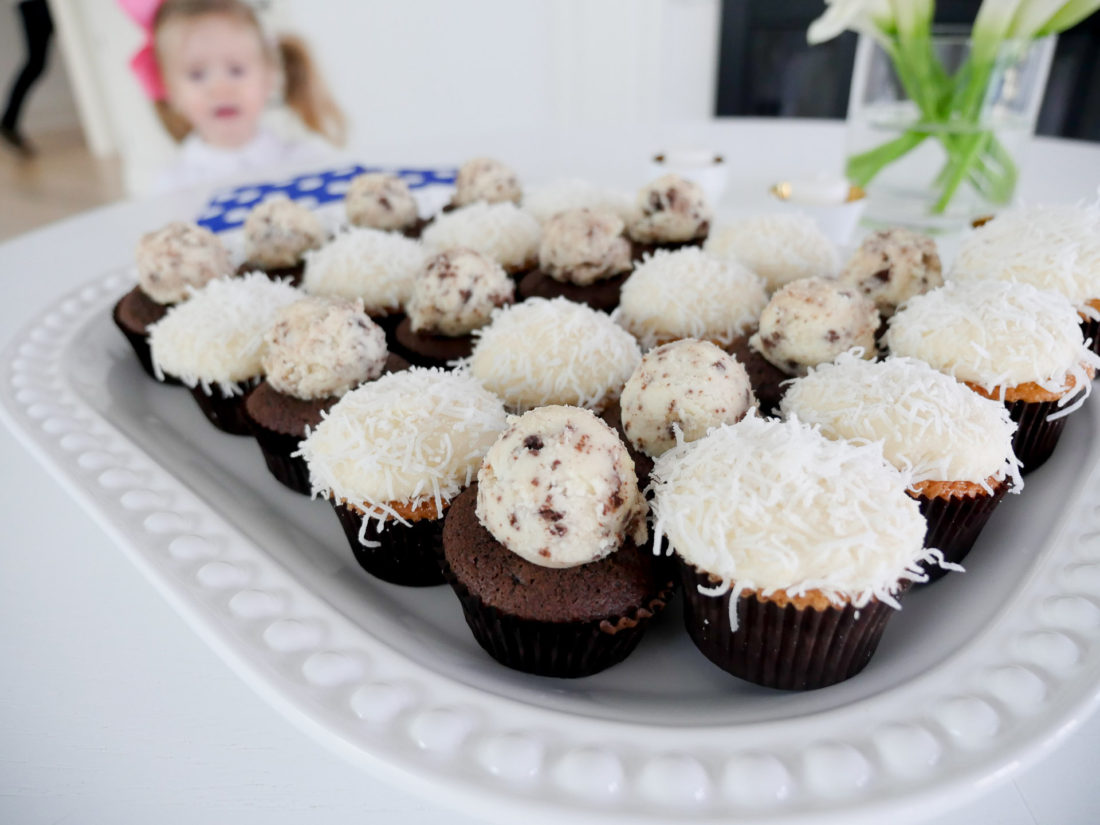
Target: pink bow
<point>144,62</point>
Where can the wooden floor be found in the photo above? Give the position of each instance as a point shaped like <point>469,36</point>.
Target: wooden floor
<point>60,180</point>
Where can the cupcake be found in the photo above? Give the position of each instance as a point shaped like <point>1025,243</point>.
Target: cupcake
<point>583,256</point>
<point>501,231</point>
<point>213,343</point>
<point>956,444</point>
<point>1010,341</point>
<point>545,352</point>
<point>689,294</point>
<point>484,180</point>
<point>670,212</point>
<point>566,194</point>
<point>793,548</point>
<point>547,554</point>
<point>171,262</point>
<point>391,456</point>
<point>277,235</point>
<point>805,323</point>
<point>1055,247</point>
<point>455,294</point>
<point>891,266</point>
<point>377,200</point>
<point>316,350</point>
<point>778,248</point>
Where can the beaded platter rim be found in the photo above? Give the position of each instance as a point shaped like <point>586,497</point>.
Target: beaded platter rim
<point>1029,677</point>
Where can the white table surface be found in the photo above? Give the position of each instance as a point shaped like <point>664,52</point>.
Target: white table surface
<point>113,711</point>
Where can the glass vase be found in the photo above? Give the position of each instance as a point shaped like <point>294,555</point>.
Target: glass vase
<point>940,144</point>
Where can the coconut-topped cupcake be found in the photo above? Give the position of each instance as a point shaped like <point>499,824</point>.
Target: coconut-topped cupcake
<point>683,389</point>
<point>486,180</point>
<point>546,201</point>
<point>277,235</point>
<point>378,200</point>
<point>392,454</point>
<point>893,265</point>
<point>501,231</point>
<point>689,294</point>
<point>553,352</point>
<point>455,294</point>
<point>375,266</point>
<point>671,211</point>
<point>778,248</point>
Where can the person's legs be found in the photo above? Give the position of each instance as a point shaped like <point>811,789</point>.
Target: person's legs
<point>37,28</point>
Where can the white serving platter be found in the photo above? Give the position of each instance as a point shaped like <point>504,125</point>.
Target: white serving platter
<point>979,675</point>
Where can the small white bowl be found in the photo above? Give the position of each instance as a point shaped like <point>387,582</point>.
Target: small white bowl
<point>835,205</point>
<point>702,166</point>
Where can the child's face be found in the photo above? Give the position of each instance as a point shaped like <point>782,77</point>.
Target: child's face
<point>217,76</point>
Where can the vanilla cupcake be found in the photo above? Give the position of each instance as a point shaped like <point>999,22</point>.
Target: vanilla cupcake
<point>545,352</point>
<point>778,248</point>
<point>485,180</point>
<point>956,444</point>
<point>501,231</point>
<point>689,294</point>
<point>670,212</point>
<point>213,343</point>
<point>1009,341</point>
<point>891,266</point>
<point>566,194</point>
<point>378,200</point>
<point>793,548</point>
<point>455,294</point>
<point>391,456</point>
<point>171,262</point>
<point>277,235</point>
<point>548,555</point>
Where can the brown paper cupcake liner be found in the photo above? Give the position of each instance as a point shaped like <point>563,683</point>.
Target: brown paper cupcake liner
<point>139,341</point>
<point>225,412</point>
<point>955,523</point>
<point>1090,328</point>
<point>407,554</point>
<point>788,648</point>
<point>602,295</point>
<point>425,350</point>
<point>292,274</point>
<point>291,470</point>
<point>1035,437</point>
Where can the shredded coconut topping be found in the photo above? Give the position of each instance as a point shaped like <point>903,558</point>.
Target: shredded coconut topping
<point>546,201</point>
<point>689,294</point>
<point>501,231</point>
<point>779,248</point>
<point>670,209</point>
<point>412,437</point>
<point>582,246</point>
<point>486,180</point>
<point>177,257</point>
<point>375,266</point>
<point>893,265</point>
<point>378,200</point>
<point>457,293</point>
<point>555,351</point>
<point>216,337</point>
<point>279,232</point>
<point>928,423</point>
<point>558,489</point>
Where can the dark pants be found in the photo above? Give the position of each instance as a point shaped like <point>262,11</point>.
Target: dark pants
<point>37,28</point>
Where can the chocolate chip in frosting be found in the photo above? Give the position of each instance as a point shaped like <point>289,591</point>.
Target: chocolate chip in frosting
<point>533,443</point>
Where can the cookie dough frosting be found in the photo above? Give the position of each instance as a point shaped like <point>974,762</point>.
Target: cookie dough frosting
<point>997,334</point>
<point>380,201</point>
<point>279,232</point>
<point>457,293</point>
<point>414,437</point>
<point>502,231</point>
<point>776,506</point>
<point>582,246</point>
<point>1055,247</point>
<point>671,210</point>
<point>546,201</point>
<point>378,267</point>
<point>688,294</point>
<point>558,489</point>
<point>778,248</point>
<point>177,258</point>
<point>927,421</point>
<point>216,338</point>
<point>487,180</point>
<point>813,320</point>
<point>555,351</point>
<point>893,265</point>
<point>687,386</point>
<point>322,347</point>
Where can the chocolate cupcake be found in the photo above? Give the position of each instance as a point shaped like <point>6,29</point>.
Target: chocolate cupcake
<point>213,343</point>
<point>390,457</point>
<point>544,352</point>
<point>670,213</point>
<point>277,235</point>
<point>377,200</point>
<point>171,262</point>
<point>793,548</point>
<point>455,294</point>
<point>500,231</point>
<point>485,180</point>
<point>548,557</point>
<point>1006,340</point>
<point>956,444</point>
<point>584,257</point>
<point>891,266</point>
<point>779,248</point>
<point>316,350</point>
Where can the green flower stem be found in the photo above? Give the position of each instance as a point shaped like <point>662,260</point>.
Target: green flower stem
<point>973,146</point>
<point>862,168</point>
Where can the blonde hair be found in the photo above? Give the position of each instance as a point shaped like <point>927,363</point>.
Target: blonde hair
<point>304,90</point>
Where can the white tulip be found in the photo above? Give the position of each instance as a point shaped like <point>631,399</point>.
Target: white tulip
<point>857,15</point>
